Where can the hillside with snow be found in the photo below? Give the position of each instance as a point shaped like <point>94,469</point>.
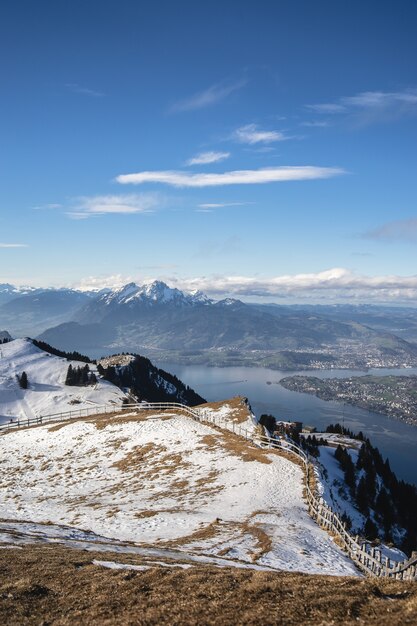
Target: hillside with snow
<point>46,392</point>
<point>164,481</point>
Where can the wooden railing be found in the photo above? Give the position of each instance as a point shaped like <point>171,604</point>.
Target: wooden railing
<point>369,559</point>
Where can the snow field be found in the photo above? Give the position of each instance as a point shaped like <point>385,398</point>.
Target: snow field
<point>168,482</point>
<point>47,392</point>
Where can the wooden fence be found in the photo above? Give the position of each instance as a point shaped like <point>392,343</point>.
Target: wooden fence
<point>368,558</point>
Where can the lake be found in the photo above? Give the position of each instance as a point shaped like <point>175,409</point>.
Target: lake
<point>396,440</point>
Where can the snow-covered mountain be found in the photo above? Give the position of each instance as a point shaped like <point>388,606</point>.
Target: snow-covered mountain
<point>155,318</point>
<point>9,292</point>
<point>152,294</point>
<point>47,392</point>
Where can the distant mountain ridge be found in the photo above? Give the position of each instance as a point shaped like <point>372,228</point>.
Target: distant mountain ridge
<point>133,296</point>
<point>168,324</point>
<point>155,318</point>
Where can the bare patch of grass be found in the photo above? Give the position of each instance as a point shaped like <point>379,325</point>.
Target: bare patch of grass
<point>137,456</point>
<point>238,409</point>
<point>144,514</point>
<point>263,540</point>
<point>207,531</point>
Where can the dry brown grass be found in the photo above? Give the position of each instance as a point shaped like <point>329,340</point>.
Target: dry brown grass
<point>136,457</point>
<point>59,586</point>
<point>236,446</point>
<point>144,514</point>
<point>239,409</point>
<point>206,532</point>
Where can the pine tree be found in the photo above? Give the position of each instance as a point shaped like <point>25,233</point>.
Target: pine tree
<point>69,380</point>
<point>84,375</point>
<point>23,380</point>
<point>370,530</point>
<point>362,496</point>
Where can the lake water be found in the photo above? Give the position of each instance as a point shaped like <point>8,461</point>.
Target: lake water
<point>396,440</point>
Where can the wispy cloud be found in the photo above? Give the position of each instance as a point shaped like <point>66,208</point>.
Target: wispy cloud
<point>208,97</point>
<point>84,91</point>
<point>94,206</point>
<point>252,134</point>
<point>47,207</point>
<point>219,205</point>
<point>238,177</point>
<point>203,158</point>
<point>335,283</point>
<point>328,108</point>
<point>398,230</point>
<point>13,245</point>
<point>371,105</point>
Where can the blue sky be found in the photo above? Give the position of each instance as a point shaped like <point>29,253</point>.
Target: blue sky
<point>266,150</point>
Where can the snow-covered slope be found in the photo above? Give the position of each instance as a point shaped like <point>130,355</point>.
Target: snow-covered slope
<point>149,294</point>
<point>166,481</point>
<point>47,392</point>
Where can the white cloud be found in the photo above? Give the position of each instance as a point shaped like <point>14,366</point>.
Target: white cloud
<point>327,108</point>
<point>46,207</point>
<point>382,99</point>
<point>13,245</point>
<point>371,105</point>
<point>219,205</point>
<point>85,91</point>
<point>96,283</point>
<point>251,134</point>
<point>399,230</point>
<point>208,97</point>
<point>93,206</point>
<point>238,177</point>
<point>335,283</point>
<point>208,157</point>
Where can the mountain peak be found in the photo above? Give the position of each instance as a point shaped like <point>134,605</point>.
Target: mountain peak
<point>230,302</point>
<point>158,290</point>
<point>128,288</point>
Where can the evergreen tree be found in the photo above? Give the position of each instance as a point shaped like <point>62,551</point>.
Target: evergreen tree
<point>69,380</point>
<point>371,484</point>
<point>370,530</point>
<point>268,421</point>
<point>362,496</point>
<point>84,375</point>
<point>23,380</point>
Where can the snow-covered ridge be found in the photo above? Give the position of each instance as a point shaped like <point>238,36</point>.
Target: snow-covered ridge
<point>156,292</point>
<point>46,392</point>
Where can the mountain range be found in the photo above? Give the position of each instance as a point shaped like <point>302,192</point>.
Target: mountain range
<point>168,324</point>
